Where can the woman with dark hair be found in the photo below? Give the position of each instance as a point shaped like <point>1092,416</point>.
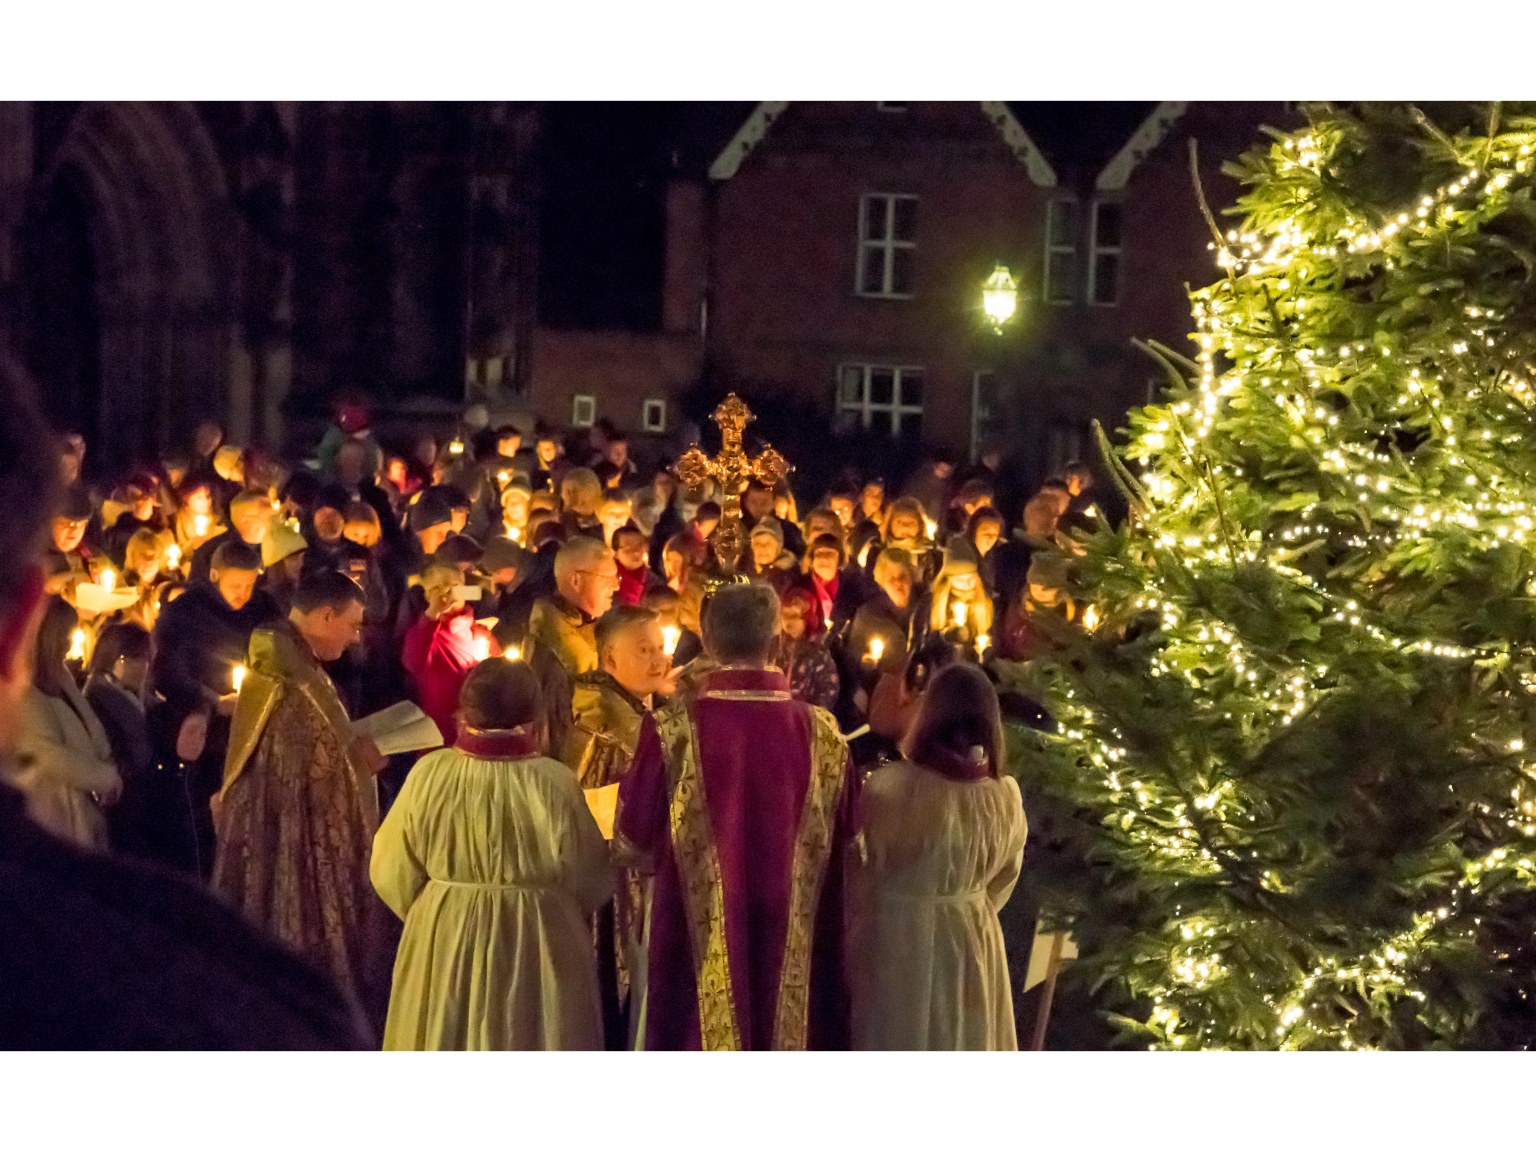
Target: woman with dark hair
<point>115,690</point>
<point>493,860</point>
<point>943,842</point>
<point>63,762</point>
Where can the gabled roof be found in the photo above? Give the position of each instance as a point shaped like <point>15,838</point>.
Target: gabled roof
<point>751,133</point>
<point>1117,172</point>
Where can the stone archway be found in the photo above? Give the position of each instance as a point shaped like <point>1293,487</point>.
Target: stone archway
<point>163,237</point>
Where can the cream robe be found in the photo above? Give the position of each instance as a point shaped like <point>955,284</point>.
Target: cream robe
<point>62,757</point>
<point>940,857</point>
<point>494,865</point>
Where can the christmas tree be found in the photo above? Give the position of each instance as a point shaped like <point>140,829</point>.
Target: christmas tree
<point>1293,784</point>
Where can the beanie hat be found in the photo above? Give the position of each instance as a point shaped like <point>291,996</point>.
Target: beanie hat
<point>959,560</point>
<point>76,504</point>
<point>458,549</point>
<point>768,526</point>
<point>502,553</point>
<point>280,543</point>
<point>430,511</point>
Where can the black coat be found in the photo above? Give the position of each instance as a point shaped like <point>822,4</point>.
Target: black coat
<point>104,954</point>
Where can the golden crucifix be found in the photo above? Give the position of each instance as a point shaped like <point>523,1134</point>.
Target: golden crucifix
<point>734,471</point>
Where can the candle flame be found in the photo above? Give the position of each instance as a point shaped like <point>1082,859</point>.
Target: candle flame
<point>76,645</point>
<point>958,611</point>
<point>108,579</point>
<point>239,676</point>
<point>503,476</point>
<point>981,646</point>
<point>512,653</point>
<point>670,635</point>
<point>482,647</point>
<point>876,648</point>
<point>200,525</point>
<point>173,555</point>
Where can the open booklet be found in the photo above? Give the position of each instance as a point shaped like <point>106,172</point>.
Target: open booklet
<point>401,727</point>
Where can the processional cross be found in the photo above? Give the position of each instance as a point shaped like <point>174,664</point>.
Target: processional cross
<point>733,469</point>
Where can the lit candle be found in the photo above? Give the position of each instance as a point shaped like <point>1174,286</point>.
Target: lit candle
<point>482,647</point>
<point>503,477</point>
<point>958,611</point>
<point>456,447</point>
<point>670,635</point>
<point>981,646</point>
<point>1090,617</point>
<point>876,648</point>
<point>108,579</point>
<point>239,676</point>
<point>512,653</point>
<point>200,525</point>
<point>930,525</point>
<point>76,645</point>
<point>515,533</point>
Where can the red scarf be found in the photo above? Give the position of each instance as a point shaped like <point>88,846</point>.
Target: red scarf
<point>826,595</point>
<point>632,584</point>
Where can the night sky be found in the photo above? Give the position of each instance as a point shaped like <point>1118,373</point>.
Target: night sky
<point>605,168</point>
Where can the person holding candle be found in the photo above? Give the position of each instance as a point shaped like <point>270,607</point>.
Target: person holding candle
<point>801,653</point>
<point>631,552</point>
<point>942,844</point>
<point>195,522</point>
<point>562,640</point>
<point>881,634</point>
<point>443,646</point>
<point>961,609</point>
<point>63,762</point>
<point>250,516</point>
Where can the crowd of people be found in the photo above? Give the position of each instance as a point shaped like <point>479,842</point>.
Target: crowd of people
<point>675,807</point>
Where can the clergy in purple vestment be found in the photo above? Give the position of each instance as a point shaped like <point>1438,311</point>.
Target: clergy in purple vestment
<point>741,802</point>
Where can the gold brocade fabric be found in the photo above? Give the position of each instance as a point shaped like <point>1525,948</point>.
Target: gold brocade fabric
<point>813,849</point>
<point>605,731</point>
<point>561,645</point>
<point>698,866</point>
<point>298,816</point>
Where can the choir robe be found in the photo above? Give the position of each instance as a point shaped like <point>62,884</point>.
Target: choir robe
<point>494,863</point>
<point>297,817</point>
<point>741,801</point>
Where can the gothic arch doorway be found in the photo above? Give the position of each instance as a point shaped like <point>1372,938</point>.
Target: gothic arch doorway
<point>129,268</point>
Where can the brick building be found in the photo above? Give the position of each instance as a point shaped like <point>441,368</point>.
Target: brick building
<point>832,259</point>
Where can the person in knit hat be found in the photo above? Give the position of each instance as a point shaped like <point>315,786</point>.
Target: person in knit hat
<point>770,563</point>
<point>282,555</point>
<point>962,610</point>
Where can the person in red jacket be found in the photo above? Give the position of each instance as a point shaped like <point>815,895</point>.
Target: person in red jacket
<point>442,646</point>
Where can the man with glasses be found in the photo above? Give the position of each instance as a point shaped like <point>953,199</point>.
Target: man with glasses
<point>562,638</point>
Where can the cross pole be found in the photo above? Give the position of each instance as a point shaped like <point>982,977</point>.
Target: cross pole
<point>734,470</point>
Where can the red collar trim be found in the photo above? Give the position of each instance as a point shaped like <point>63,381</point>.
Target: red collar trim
<point>498,743</point>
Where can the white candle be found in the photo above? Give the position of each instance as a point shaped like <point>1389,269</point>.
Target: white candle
<point>670,635</point>
<point>239,676</point>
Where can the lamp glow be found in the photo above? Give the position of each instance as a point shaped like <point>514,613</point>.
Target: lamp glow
<point>1000,296</point>
<point>1090,618</point>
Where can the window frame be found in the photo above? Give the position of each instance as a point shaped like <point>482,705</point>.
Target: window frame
<point>885,248</point>
<point>978,376</point>
<point>868,410</point>
<point>646,408</point>
<point>577,403</point>
<point>1052,249</point>
<point>1095,250</point>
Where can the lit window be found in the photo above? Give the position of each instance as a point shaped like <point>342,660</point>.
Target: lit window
<point>1060,251</point>
<point>583,411</point>
<point>653,416</point>
<point>881,398</point>
<point>1104,254</point>
<point>887,244</point>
